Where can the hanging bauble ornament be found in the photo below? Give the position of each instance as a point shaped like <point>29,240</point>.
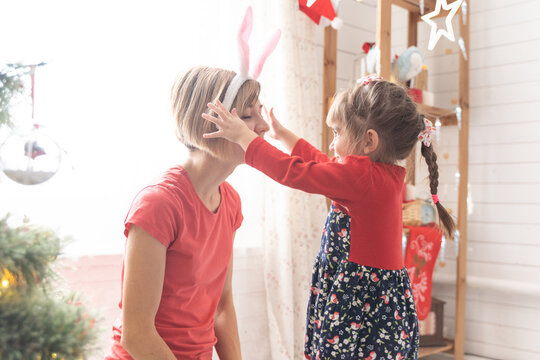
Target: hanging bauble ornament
<point>30,158</point>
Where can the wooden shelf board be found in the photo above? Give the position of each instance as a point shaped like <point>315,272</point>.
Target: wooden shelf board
<point>414,6</point>
<point>430,350</point>
<point>447,116</point>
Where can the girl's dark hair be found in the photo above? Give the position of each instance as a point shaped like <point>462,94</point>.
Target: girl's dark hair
<point>386,108</point>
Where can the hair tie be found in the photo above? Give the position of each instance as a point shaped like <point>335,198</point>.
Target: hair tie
<point>244,73</point>
<point>435,198</point>
<point>364,80</point>
<point>426,134</point>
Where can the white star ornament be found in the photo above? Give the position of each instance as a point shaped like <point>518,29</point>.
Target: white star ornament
<point>435,33</point>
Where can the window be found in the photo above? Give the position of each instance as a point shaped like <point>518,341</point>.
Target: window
<point>103,96</point>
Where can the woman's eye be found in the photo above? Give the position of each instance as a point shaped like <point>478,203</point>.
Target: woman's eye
<point>246,117</point>
<point>335,133</point>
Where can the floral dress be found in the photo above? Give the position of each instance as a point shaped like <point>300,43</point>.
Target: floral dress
<point>357,311</point>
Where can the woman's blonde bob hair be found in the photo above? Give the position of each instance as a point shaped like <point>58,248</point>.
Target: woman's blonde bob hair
<point>190,95</point>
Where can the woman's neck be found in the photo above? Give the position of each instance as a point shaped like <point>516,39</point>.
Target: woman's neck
<point>207,173</point>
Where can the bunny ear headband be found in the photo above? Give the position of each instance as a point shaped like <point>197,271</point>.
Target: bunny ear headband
<point>244,72</point>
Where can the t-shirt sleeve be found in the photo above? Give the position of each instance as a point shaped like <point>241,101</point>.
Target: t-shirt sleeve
<point>154,211</point>
<point>236,207</point>
<point>308,152</point>
<point>342,182</point>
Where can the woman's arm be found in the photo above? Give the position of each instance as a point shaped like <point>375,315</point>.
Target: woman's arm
<point>225,325</point>
<point>143,282</point>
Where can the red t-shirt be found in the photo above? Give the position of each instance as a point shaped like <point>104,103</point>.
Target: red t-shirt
<point>199,248</point>
<point>370,192</point>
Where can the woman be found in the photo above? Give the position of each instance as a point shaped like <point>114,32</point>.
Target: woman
<point>177,299</point>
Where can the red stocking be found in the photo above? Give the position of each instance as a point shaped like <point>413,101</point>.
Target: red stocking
<point>420,257</point>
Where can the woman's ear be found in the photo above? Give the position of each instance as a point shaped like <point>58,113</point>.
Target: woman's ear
<point>371,142</point>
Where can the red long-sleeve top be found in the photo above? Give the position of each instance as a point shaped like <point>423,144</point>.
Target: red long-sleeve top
<point>370,192</point>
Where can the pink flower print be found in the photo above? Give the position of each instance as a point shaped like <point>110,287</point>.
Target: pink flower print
<point>374,277</point>
<point>407,293</point>
<point>343,232</point>
<point>333,298</point>
<point>399,356</point>
<point>334,340</point>
<point>366,308</point>
<point>340,276</point>
<point>318,323</point>
<point>315,290</point>
<point>372,356</point>
<point>396,315</point>
<point>385,298</point>
<point>403,335</point>
<point>355,326</point>
<point>334,316</point>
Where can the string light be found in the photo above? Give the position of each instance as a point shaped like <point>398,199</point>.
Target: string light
<point>464,12</point>
<point>462,47</point>
<point>404,242</point>
<point>438,125</point>
<point>458,116</point>
<point>7,279</point>
<point>470,204</point>
<point>456,241</point>
<point>442,263</point>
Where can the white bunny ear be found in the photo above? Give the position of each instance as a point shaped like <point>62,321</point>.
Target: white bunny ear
<point>269,47</point>
<point>243,38</point>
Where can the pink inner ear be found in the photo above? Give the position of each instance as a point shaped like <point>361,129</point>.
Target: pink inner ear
<point>267,50</point>
<point>243,37</point>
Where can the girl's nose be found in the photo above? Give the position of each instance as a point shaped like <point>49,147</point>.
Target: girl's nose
<point>331,146</point>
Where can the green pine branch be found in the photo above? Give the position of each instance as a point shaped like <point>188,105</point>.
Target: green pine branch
<point>37,319</point>
<point>11,85</point>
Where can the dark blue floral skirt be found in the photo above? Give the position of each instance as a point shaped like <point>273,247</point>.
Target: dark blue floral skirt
<point>356,311</point>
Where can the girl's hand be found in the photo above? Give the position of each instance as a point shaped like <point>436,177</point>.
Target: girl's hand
<point>229,125</point>
<point>276,129</point>
<point>280,132</point>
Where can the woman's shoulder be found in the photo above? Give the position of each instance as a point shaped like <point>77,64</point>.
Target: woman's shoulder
<point>230,192</point>
<point>171,184</point>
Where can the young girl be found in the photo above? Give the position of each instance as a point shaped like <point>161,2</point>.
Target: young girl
<point>177,294</point>
<point>361,304</point>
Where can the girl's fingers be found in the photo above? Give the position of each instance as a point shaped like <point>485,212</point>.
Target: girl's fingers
<point>218,108</point>
<point>213,135</point>
<point>211,118</point>
<point>272,116</point>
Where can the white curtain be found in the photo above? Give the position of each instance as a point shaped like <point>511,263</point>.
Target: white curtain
<point>293,220</point>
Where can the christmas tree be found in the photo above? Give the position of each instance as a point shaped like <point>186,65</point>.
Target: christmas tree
<point>37,320</point>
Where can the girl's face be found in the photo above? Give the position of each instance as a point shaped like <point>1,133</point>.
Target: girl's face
<point>341,144</point>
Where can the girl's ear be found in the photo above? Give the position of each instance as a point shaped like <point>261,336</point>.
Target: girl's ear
<point>371,142</point>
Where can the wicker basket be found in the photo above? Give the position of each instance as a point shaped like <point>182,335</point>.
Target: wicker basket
<point>412,212</point>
